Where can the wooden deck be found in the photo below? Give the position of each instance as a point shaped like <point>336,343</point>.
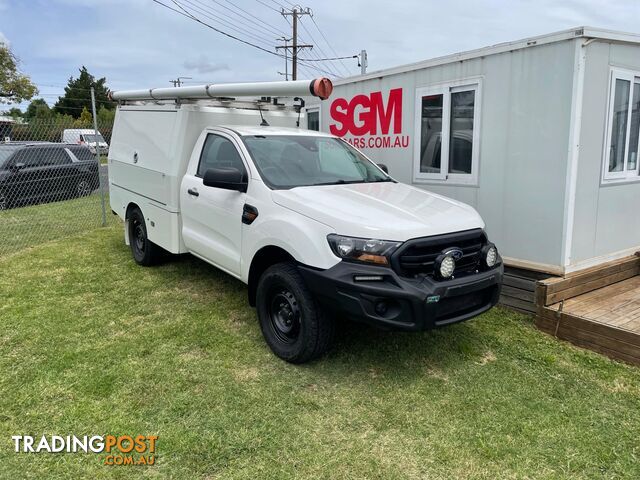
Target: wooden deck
<point>597,309</point>
<point>519,289</point>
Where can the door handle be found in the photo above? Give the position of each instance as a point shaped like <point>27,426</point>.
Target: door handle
<point>193,191</point>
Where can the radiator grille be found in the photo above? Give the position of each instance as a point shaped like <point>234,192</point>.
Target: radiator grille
<point>417,257</point>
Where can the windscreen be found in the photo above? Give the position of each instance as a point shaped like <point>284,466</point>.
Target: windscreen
<point>288,161</point>
<point>5,152</point>
<point>91,138</point>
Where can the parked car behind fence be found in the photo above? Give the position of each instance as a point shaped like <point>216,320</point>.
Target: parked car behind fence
<point>37,172</point>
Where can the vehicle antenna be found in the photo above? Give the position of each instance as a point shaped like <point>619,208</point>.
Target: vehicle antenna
<point>264,123</point>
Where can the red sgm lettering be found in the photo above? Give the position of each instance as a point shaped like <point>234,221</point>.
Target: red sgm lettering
<point>363,113</point>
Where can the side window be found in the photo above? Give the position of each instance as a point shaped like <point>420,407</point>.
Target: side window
<point>447,127</point>
<point>623,128</point>
<point>30,157</point>
<point>313,120</point>
<point>82,153</point>
<point>54,156</point>
<point>218,152</point>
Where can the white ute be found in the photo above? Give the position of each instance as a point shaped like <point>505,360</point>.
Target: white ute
<point>314,228</point>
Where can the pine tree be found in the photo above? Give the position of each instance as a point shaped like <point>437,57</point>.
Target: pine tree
<point>77,94</point>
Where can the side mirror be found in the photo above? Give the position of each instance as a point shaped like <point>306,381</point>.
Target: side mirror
<point>228,178</point>
<point>383,167</point>
<point>17,166</point>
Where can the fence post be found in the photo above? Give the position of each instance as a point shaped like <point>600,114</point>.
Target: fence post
<point>95,137</point>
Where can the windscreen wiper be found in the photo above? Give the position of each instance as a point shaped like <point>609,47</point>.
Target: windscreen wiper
<point>386,179</point>
<point>338,182</point>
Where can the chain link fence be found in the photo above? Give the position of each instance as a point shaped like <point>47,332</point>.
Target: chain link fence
<point>53,180</point>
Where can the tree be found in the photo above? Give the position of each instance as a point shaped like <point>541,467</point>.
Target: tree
<point>14,113</point>
<point>38,108</point>
<point>77,94</point>
<point>15,87</point>
<point>106,117</point>
<point>85,120</point>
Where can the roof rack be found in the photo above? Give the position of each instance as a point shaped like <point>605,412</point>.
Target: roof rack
<point>319,87</point>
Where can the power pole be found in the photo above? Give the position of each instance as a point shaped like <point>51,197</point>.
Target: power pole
<point>363,62</point>
<point>177,82</point>
<point>286,56</point>
<point>295,13</point>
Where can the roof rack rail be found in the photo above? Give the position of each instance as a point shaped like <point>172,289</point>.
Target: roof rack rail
<point>319,87</point>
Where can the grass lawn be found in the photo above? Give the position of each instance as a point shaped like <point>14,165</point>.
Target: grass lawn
<point>90,343</point>
<point>35,224</point>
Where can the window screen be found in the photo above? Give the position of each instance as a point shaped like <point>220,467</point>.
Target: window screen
<point>431,136</point>
<point>461,140</point>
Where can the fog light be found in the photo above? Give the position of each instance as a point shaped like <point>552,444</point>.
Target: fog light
<point>447,266</point>
<point>381,308</point>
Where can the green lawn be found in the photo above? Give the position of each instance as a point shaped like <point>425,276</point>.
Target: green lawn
<point>28,226</point>
<point>90,343</point>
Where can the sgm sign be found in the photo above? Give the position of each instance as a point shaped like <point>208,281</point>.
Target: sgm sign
<point>370,121</point>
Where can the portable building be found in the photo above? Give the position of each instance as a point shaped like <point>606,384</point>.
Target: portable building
<point>540,135</point>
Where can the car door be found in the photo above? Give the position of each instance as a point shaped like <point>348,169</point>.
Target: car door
<point>26,176</point>
<point>58,176</point>
<point>212,217</point>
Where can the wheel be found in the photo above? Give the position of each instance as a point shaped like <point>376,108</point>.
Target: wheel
<point>83,188</point>
<point>293,324</point>
<point>144,251</point>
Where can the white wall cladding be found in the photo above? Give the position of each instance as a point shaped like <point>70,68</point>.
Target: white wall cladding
<point>525,109</point>
<point>607,216</point>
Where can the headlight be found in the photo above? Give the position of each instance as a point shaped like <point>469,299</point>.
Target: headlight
<point>367,250</point>
<point>490,255</point>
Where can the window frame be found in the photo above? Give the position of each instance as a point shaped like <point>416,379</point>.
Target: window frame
<point>50,160</point>
<point>245,171</point>
<point>446,89</point>
<point>624,176</point>
<point>314,109</point>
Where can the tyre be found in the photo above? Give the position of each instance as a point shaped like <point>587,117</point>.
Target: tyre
<point>83,188</point>
<point>144,251</point>
<point>293,324</point>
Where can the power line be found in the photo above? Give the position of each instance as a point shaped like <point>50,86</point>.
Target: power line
<point>313,40</point>
<point>279,4</point>
<point>267,5</point>
<point>241,23</point>
<point>322,52</point>
<point>327,41</point>
<point>211,15</point>
<point>325,59</point>
<point>261,23</point>
<point>189,15</point>
<point>196,19</point>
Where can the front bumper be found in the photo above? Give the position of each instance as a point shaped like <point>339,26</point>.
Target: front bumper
<point>402,303</point>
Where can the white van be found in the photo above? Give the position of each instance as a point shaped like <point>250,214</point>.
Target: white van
<point>313,227</point>
<point>85,136</point>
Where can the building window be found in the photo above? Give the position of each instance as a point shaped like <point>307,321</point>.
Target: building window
<point>313,119</point>
<point>623,127</point>
<point>446,149</point>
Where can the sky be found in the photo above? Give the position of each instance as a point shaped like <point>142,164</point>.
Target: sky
<point>140,44</point>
